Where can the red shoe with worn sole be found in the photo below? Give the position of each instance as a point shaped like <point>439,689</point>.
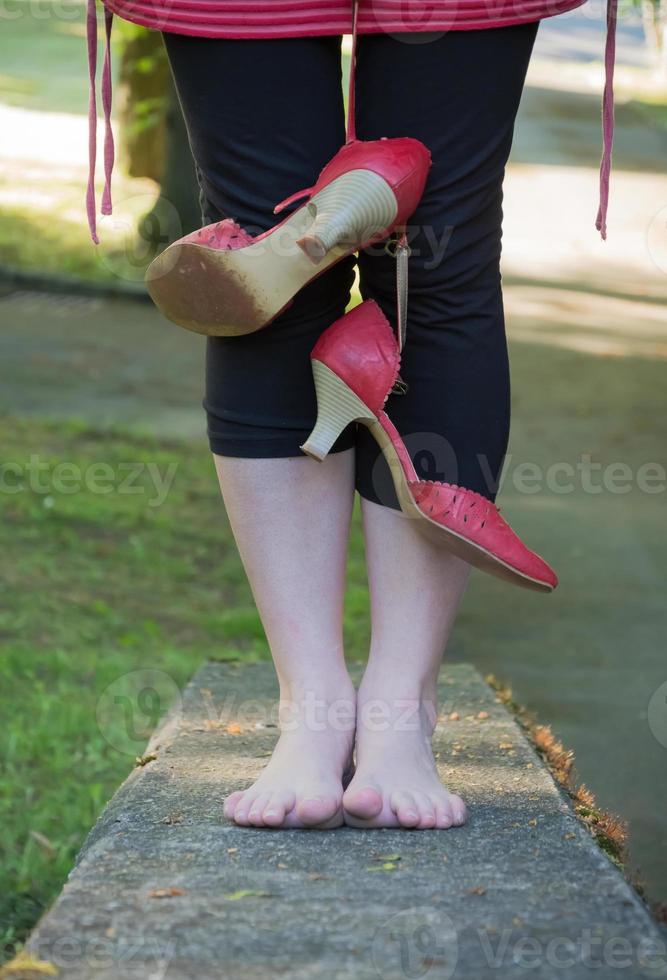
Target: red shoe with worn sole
<point>221,281</point>
<point>355,365</point>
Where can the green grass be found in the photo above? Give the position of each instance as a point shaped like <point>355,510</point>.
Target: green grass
<point>54,78</point>
<point>653,108</point>
<point>43,56</point>
<point>96,586</point>
<point>62,247</point>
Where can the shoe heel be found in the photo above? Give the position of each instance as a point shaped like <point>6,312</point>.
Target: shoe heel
<point>337,406</point>
<point>351,211</point>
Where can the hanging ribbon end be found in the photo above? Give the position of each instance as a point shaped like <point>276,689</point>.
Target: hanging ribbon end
<point>607,117</point>
<point>601,223</point>
<point>90,208</point>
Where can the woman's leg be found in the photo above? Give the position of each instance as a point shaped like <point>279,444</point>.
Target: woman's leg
<point>263,118</point>
<point>458,93</point>
<point>290,519</point>
<point>415,589</point>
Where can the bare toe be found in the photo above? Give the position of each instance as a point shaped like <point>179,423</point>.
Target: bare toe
<point>230,803</point>
<point>443,816</point>
<point>276,809</point>
<point>404,806</point>
<point>364,803</point>
<point>458,810</point>
<point>256,811</point>
<point>315,810</point>
<point>242,809</point>
<point>426,811</point>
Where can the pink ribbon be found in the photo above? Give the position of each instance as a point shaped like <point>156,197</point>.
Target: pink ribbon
<point>607,116</point>
<point>109,152</point>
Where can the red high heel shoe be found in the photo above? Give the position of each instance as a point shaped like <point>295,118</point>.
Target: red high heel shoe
<point>355,365</point>
<point>221,281</point>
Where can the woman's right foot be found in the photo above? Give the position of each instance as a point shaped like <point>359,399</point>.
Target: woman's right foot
<point>302,785</point>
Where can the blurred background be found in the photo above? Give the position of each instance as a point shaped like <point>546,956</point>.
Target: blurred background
<point>115,550</point>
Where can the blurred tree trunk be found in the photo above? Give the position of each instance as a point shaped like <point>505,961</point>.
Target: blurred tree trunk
<point>143,81</point>
<point>153,135</point>
<point>179,182</point>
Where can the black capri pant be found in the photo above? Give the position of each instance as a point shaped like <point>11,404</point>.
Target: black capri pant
<point>264,117</point>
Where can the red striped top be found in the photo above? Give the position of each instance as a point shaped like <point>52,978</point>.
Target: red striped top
<point>308,18</point>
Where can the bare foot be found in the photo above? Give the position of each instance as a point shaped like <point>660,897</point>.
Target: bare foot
<point>396,783</point>
<point>302,784</point>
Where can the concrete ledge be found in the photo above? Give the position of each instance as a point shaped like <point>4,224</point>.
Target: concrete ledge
<point>164,888</point>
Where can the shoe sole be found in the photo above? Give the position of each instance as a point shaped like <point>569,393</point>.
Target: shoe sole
<point>232,292</point>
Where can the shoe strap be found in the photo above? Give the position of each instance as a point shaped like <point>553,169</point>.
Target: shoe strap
<point>398,247</point>
<point>351,126</point>
<point>402,256</point>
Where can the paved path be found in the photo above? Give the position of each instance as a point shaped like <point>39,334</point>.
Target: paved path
<point>552,182</point>
<point>165,888</point>
<point>108,361</point>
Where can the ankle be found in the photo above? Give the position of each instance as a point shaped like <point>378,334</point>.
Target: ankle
<point>396,710</point>
<point>327,685</point>
<point>393,686</point>
<point>318,704</point>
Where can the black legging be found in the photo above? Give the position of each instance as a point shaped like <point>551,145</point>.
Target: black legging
<point>263,118</point>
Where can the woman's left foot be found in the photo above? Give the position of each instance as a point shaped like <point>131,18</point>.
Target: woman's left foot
<point>396,783</point>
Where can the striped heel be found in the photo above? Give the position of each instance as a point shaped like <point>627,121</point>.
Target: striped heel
<point>337,407</point>
<point>357,207</point>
